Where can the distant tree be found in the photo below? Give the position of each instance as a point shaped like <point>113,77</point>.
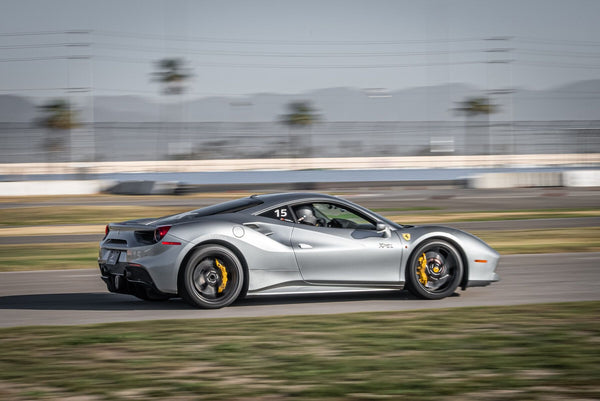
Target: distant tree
<point>300,115</point>
<point>173,74</point>
<point>475,106</point>
<point>58,119</point>
<point>477,136</point>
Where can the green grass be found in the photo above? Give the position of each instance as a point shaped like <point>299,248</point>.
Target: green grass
<point>77,214</point>
<point>447,217</point>
<point>533,352</point>
<point>557,240</point>
<point>78,255</point>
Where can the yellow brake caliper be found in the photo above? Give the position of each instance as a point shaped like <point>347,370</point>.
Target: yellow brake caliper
<point>223,275</point>
<point>421,270</point>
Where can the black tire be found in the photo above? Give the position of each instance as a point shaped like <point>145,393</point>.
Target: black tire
<point>441,273</point>
<point>212,278</point>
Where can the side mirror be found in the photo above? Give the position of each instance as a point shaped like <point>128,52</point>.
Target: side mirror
<point>383,228</point>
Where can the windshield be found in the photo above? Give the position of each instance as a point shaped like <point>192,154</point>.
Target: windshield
<point>220,208</point>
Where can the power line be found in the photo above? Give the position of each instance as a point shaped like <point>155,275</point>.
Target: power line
<point>558,65</point>
<point>45,58</point>
<point>557,53</point>
<point>33,46</point>
<point>138,60</point>
<point>122,34</point>
<point>38,33</point>
<point>282,54</point>
<point>568,42</point>
<point>301,55</point>
<point>44,33</point>
<point>292,66</point>
<point>275,41</point>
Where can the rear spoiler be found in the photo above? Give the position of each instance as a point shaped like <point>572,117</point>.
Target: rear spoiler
<point>131,227</point>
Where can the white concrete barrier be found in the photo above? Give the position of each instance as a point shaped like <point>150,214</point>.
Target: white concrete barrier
<point>515,180</point>
<point>36,188</point>
<point>581,178</point>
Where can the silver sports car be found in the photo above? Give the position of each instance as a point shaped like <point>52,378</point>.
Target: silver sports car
<point>287,243</point>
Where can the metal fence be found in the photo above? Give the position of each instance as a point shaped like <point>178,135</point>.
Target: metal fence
<point>23,142</point>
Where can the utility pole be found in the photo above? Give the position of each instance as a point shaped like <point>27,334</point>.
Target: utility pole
<point>502,56</point>
<point>84,139</point>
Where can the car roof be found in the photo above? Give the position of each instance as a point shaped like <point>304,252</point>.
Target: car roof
<point>274,199</point>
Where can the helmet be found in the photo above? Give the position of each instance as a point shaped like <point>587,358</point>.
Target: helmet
<point>306,215</point>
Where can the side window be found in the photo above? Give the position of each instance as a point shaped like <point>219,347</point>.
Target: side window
<point>332,215</point>
<point>306,214</point>
<point>281,213</point>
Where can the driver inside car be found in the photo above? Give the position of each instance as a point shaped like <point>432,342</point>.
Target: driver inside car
<point>306,215</point>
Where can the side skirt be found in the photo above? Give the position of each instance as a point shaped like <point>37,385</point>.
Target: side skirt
<point>302,287</point>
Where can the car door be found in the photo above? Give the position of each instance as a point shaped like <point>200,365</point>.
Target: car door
<point>345,250</point>
<point>274,240</point>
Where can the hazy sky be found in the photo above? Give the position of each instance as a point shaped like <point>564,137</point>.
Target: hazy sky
<point>242,47</point>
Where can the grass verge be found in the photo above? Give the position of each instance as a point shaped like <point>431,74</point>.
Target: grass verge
<point>557,240</point>
<point>78,255</point>
<point>81,255</point>
<point>78,214</point>
<point>452,217</point>
<point>533,352</point>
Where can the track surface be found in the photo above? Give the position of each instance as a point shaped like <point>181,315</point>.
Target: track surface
<point>69,297</point>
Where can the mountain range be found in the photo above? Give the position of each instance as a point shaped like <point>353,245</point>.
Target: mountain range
<point>576,101</point>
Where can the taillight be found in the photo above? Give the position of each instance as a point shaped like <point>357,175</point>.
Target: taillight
<point>160,232</point>
<point>106,231</point>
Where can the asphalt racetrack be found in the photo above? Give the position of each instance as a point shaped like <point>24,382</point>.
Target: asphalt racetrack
<point>68,297</point>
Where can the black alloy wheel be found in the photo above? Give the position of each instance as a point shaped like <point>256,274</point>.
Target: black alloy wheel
<point>212,278</point>
<point>435,270</point>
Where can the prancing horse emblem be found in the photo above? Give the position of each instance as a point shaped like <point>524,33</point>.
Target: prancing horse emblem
<point>406,236</point>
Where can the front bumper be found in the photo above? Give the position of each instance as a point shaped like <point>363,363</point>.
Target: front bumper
<point>483,283</point>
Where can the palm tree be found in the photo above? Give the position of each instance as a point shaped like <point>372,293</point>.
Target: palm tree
<point>477,105</point>
<point>172,73</point>
<point>300,115</point>
<point>58,120</point>
<point>473,108</point>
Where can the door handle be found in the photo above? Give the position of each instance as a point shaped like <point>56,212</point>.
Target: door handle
<point>304,246</point>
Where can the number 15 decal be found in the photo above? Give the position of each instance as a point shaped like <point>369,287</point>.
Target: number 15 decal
<point>281,212</point>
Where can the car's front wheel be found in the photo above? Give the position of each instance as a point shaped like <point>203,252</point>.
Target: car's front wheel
<point>212,278</point>
<point>435,270</point>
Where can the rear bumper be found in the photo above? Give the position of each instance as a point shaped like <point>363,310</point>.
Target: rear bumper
<point>124,278</point>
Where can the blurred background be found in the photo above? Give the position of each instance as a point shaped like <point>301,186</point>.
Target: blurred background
<point>85,81</point>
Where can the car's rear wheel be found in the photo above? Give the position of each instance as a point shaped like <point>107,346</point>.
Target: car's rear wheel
<point>435,270</point>
<point>212,278</point>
